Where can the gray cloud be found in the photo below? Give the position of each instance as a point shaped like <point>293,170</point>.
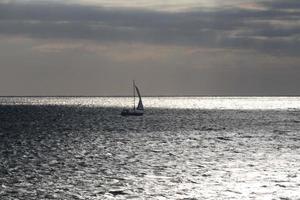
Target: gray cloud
<point>281,4</point>
<point>225,28</point>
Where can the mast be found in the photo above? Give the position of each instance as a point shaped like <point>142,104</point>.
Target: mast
<point>133,94</point>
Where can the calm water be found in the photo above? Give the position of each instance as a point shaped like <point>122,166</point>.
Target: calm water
<point>182,148</point>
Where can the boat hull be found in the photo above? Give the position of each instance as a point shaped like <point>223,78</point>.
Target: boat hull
<point>132,113</point>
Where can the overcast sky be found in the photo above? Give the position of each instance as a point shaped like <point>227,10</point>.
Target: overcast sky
<point>182,47</point>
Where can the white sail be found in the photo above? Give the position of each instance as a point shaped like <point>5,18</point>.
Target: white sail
<point>140,104</point>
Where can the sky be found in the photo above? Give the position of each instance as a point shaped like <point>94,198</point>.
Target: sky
<point>182,47</point>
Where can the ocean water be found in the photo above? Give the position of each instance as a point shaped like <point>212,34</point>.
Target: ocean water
<point>182,148</point>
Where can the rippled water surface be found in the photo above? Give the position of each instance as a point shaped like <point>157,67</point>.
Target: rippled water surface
<point>220,103</point>
<point>182,148</point>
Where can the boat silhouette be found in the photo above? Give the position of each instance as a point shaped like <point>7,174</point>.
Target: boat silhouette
<point>136,111</point>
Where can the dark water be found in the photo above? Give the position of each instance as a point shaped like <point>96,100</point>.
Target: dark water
<point>81,152</point>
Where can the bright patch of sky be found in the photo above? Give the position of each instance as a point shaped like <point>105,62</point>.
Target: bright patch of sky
<point>166,5</point>
<point>171,5</point>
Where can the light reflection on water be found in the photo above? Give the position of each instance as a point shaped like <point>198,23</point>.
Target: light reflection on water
<point>222,148</point>
<point>220,103</point>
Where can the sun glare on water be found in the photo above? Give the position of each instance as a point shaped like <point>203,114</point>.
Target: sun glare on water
<point>219,103</point>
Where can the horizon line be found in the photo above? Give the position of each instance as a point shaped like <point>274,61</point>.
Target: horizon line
<point>151,96</point>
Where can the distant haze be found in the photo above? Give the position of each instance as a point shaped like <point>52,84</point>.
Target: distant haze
<point>191,47</point>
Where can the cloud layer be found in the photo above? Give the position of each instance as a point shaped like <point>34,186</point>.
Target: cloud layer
<point>271,26</point>
<point>190,47</point>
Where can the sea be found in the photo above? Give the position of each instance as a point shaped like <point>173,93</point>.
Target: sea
<point>182,148</point>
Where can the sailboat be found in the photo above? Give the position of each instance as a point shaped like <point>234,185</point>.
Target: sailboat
<point>136,111</point>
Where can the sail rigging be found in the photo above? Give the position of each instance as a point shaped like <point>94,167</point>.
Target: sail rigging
<point>140,104</point>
